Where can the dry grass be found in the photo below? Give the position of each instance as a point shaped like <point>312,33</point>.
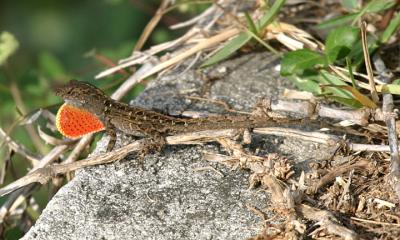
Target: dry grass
<point>347,197</point>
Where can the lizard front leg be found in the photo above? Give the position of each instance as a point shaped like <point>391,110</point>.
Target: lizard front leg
<point>110,130</point>
<point>113,139</point>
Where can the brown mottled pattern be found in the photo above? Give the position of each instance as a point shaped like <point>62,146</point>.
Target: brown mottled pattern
<point>134,120</point>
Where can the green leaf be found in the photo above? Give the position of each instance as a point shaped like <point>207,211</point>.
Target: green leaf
<point>306,84</point>
<point>337,21</point>
<point>340,42</point>
<point>298,61</point>
<point>350,4</point>
<point>244,37</point>
<point>329,79</point>
<point>357,54</point>
<point>364,100</point>
<point>347,101</point>
<point>228,49</point>
<point>33,213</point>
<point>390,29</point>
<point>378,5</point>
<point>391,88</point>
<point>396,82</point>
<point>8,45</point>
<point>372,6</point>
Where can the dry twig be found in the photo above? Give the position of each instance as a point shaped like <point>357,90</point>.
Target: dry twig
<point>367,60</point>
<point>151,25</point>
<point>394,177</point>
<point>20,149</point>
<point>44,173</point>
<point>360,165</point>
<point>29,128</point>
<point>326,220</point>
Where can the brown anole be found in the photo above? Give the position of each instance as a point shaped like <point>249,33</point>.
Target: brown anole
<point>140,121</point>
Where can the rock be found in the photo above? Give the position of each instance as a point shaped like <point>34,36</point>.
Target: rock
<point>174,194</point>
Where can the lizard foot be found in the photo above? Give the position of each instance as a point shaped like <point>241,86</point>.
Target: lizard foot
<point>262,108</point>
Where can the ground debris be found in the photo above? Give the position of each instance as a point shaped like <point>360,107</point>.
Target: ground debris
<point>354,201</point>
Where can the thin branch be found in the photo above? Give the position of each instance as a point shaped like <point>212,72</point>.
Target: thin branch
<point>317,137</point>
<point>132,81</point>
<point>385,75</point>
<point>76,152</point>
<point>50,157</point>
<point>207,43</point>
<point>346,190</point>
<point>26,189</point>
<point>5,208</point>
<point>106,61</point>
<point>19,148</point>
<point>74,155</point>
<point>284,199</point>
<point>367,60</point>
<point>151,25</point>
<point>194,20</point>
<point>322,138</point>
<point>44,174</point>
<point>29,128</point>
<point>311,110</point>
<point>327,221</point>
<point>337,171</point>
<point>141,57</point>
<point>375,222</point>
<point>48,139</point>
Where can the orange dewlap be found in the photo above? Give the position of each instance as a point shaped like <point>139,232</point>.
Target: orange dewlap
<point>74,122</point>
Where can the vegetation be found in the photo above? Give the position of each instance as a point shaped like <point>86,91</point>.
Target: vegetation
<point>43,44</point>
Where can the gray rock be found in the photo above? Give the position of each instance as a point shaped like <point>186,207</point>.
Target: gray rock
<point>168,197</point>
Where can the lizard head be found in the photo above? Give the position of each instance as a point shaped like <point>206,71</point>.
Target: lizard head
<point>82,95</point>
<point>81,113</point>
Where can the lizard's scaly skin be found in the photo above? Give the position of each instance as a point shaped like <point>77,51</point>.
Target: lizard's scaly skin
<point>133,120</point>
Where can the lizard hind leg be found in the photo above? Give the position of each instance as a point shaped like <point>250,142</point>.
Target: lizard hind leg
<point>155,144</point>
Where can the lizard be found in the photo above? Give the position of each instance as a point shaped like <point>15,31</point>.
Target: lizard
<point>136,120</point>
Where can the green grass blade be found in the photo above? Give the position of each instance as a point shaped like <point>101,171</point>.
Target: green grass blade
<point>390,29</point>
<point>341,20</point>
<point>347,101</point>
<point>228,49</point>
<point>251,24</point>
<point>270,15</point>
<point>245,37</point>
